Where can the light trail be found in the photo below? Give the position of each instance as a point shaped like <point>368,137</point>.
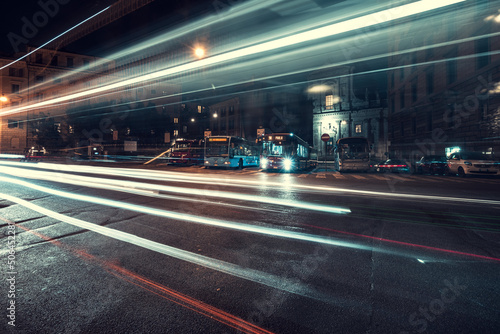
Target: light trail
<point>241,65</point>
<point>442,250</point>
<point>130,186</point>
<point>53,39</point>
<point>201,260</point>
<point>235,182</point>
<point>268,231</point>
<point>364,21</point>
<point>155,287</point>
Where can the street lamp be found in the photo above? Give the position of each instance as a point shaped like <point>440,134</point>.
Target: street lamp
<point>3,99</point>
<point>199,52</point>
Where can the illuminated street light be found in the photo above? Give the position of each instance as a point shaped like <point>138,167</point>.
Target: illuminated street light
<point>3,99</point>
<point>199,52</point>
<point>192,119</point>
<point>215,115</point>
<point>319,89</point>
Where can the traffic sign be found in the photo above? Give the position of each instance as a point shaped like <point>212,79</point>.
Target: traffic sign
<point>325,137</point>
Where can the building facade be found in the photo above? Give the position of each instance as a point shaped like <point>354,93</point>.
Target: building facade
<point>31,89</point>
<point>339,112</point>
<point>443,87</point>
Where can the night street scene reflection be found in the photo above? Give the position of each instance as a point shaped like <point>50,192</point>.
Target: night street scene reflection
<point>250,166</point>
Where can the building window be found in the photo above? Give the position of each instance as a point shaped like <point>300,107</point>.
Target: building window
<point>231,110</point>
<point>39,79</point>
<point>176,133</point>
<point>402,129</point>
<point>12,71</point>
<point>69,62</point>
<point>482,50</point>
<point>358,128</point>
<point>176,120</point>
<point>429,78</point>
<point>12,124</point>
<point>86,62</point>
<point>199,109</point>
<point>153,91</point>
<point>414,90</point>
<point>414,62</point>
<point>451,68</point>
<point>38,96</point>
<point>57,80</point>
<point>414,125</point>
<point>402,98</point>
<point>393,105</point>
<point>38,58</point>
<point>392,79</point>
<point>20,73</point>
<point>54,61</point>
<point>15,89</point>
<point>329,101</point>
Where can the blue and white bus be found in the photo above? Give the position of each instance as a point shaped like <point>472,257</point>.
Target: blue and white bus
<point>230,151</point>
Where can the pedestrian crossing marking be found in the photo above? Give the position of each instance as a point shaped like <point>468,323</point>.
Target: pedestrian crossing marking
<point>359,177</point>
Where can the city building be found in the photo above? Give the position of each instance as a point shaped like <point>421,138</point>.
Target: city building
<point>443,87</point>
<point>340,112</point>
<point>32,87</point>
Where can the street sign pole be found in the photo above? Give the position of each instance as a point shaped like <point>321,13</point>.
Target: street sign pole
<point>325,137</point>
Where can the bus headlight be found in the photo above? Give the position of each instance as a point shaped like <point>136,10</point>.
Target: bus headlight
<point>287,164</point>
<point>264,162</point>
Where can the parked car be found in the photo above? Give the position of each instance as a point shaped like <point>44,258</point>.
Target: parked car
<point>466,163</point>
<point>394,166</point>
<point>432,164</point>
<point>35,153</point>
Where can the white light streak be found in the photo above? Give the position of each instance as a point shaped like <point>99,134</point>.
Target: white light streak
<point>278,43</point>
<point>207,262</point>
<point>53,39</point>
<point>188,218</point>
<point>235,182</point>
<point>148,189</point>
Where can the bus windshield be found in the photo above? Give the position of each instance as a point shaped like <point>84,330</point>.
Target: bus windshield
<point>217,147</point>
<point>274,148</point>
<point>353,148</point>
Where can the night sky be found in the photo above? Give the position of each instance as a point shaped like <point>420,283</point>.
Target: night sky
<point>17,27</point>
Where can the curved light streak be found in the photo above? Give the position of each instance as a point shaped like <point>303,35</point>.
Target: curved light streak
<point>154,287</point>
<point>235,182</point>
<point>364,21</point>
<point>268,231</point>
<point>201,260</point>
<point>121,185</point>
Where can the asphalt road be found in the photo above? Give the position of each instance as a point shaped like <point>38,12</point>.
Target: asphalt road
<point>106,248</point>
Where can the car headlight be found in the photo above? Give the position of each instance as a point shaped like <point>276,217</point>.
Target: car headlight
<point>264,162</point>
<point>287,164</point>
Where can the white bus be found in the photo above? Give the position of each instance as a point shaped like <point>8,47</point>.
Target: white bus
<point>285,152</point>
<point>352,154</point>
<point>230,151</point>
